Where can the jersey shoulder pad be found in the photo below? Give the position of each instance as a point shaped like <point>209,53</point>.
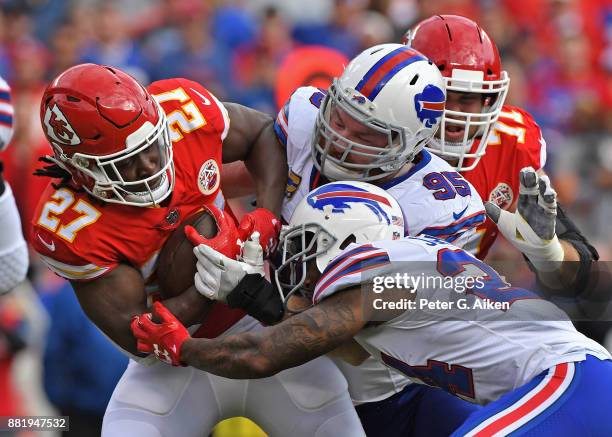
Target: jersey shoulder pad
<point>437,199</point>
<point>357,264</point>
<point>518,133</point>
<point>62,258</point>
<point>295,121</point>
<point>190,105</point>
<point>70,257</point>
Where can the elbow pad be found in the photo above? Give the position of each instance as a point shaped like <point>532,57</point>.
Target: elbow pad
<point>258,297</point>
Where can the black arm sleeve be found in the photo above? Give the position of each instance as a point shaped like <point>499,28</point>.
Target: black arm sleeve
<point>255,295</point>
<point>566,230</point>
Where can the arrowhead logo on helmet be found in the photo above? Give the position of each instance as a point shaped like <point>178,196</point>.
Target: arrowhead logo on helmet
<point>340,197</point>
<point>429,105</point>
<point>58,128</point>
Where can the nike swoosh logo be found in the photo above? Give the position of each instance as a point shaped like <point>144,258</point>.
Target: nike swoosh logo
<point>50,246</point>
<point>458,216</point>
<point>204,99</point>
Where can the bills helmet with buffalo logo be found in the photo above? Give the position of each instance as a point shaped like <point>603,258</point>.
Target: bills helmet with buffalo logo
<point>327,220</point>
<point>97,120</point>
<point>391,89</point>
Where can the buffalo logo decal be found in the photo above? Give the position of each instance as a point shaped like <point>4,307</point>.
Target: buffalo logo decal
<point>341,196</point>
<point>429,105</point>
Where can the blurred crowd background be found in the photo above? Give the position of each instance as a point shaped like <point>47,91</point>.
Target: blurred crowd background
<point>558,54</point>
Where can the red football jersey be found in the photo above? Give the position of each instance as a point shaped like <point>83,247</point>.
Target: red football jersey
<point>81,238</point>
<point>515,142</point>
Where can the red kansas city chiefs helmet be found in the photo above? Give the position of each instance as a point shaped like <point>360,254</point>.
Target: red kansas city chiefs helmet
<point>470,63</point>
<point>97,118</point>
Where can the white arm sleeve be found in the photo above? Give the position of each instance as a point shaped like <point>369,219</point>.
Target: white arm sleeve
<point>13,248</point>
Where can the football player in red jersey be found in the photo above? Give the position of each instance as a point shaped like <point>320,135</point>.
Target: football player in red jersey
<point>130,164</point>
<point>507,168</point>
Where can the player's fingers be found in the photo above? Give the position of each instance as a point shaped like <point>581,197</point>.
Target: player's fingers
<point>143,346</point>
<point>493,211</point>
<point>211,255</point>
<point>548,196</point>
<point>193,236</point>
<point>139,329</point>
<point>245,229</point>
<point>528,191</point>
<point>206,271</point>
<point>204,257</point>
<point>204,288</point>
<point>163,313</point>
<point>528,181</point>
<point>134,325</point>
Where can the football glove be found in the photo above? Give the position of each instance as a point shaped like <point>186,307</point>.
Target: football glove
<point>217,275</point>
<point>531,228</point>
<point>227,239</point>
<point>164,339</point>
<point>263,221</point>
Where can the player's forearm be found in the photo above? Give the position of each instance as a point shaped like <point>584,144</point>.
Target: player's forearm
<point>235,356</point>
<point>236,180</point>
<point>295,341</point>
<point>189,307</point>
<point>267,162</point>
<point>564,277</point>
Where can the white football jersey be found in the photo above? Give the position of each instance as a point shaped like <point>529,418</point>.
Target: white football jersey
<point>434,198</point>
<point>467,331</point>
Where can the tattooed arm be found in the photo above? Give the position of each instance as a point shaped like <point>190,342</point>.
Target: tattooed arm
<point>295,341</point>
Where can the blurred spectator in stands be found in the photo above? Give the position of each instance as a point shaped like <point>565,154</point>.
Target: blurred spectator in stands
<point>233,26</point>
<point>4,59</point>
<point>372,28</point>
<point>112,45</point>
<point>67,48</point>
<point>335,33</point>
<point>81,366</point>
<point>188,50</point>
<point>23,325</point>
<point>30,65</point>
<point>254,65</point>
<point>307,66</point>
<point>13,339</point>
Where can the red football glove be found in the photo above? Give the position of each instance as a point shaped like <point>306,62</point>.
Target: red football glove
<point>264,222</point>
<point>226,240</point>
<point>164,339</point>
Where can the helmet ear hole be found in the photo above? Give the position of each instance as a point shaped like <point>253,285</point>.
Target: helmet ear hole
<point>348,240</point>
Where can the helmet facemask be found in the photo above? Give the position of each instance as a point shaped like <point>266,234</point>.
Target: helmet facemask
<point>402,146</point>
<point>110,186</point>
<point>300,246</point>
<point>462,150</point>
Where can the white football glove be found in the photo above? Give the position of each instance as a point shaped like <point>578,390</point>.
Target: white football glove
<point>531,228</point>
<point>218,275</point>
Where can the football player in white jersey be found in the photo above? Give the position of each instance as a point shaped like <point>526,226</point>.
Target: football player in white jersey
<point>485,342</point>
<point>13,249</point>
<point>372,124</point>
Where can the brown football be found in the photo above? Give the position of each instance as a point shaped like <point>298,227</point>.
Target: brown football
<point>176,265</point>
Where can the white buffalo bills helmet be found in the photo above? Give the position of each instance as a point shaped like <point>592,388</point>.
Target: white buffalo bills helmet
<point>392,89</point>
<point>327,220</point>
